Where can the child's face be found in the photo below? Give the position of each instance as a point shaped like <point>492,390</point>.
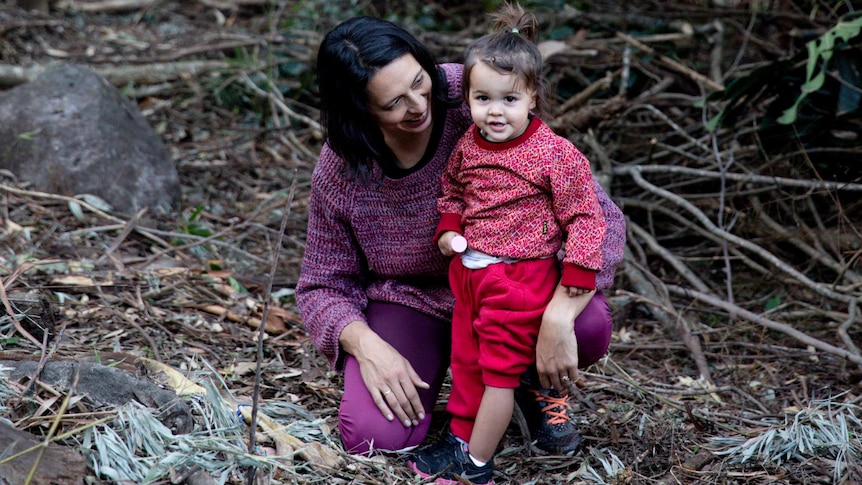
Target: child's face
<point>500,105</point>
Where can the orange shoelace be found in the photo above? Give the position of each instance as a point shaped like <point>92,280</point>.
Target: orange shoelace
<point>555,407</point>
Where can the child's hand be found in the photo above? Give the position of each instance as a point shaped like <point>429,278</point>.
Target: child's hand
<point>451,243</point>
<point>573,291</point>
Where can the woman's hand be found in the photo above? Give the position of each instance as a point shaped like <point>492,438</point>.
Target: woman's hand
<point>557,347</point>
<point>388,376</point>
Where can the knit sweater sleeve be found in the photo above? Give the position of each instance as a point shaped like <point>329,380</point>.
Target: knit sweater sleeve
<point>330,293</point>
<point>577,209</point>
<point>614,243</point>
<point>451,203</point>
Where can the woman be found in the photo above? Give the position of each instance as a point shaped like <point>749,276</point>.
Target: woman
<point>373,290</point>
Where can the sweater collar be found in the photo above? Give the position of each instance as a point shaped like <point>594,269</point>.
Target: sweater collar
<point>534,125</point>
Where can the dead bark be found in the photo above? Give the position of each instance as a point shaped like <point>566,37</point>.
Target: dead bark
<point>123,75</point>
<point>105,5</point>
<point>38,5</point>
<point>57,465</point>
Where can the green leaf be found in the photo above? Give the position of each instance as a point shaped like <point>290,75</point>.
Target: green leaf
<point>826,44</point>
<point>848,30</point>
<point>789,115</point>
<point>712,124</point>
<point>773,303</point>
<point>813,57</point>
<point>196,230</point>
<point>9,341</point>
<point>196,213</point>
<point>236,285</point>
<point>815,83</point>
<point>28,135</point>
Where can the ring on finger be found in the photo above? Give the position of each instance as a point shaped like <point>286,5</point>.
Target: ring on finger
<point>566,379</point>
<point>388,391</point>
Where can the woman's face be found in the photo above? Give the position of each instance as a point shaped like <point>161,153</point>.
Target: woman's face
<point>399,97</point>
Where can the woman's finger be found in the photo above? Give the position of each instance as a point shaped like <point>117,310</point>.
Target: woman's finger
<point>413,401</point>
<point>379,397</point>
<point>399,403</point>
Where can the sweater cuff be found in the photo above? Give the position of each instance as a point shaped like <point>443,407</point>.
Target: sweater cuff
<point>448,222</point>
<point>578,277</point>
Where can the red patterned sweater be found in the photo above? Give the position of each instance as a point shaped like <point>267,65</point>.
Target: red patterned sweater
<point>520,198</point>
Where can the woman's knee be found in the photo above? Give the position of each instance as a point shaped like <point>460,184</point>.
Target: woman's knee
<point>364,432</point>
<point>593,328</point>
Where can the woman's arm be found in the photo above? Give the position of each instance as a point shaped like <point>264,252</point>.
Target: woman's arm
<point>331,297</point>
<point>557,347</point>
<point>330,292</point>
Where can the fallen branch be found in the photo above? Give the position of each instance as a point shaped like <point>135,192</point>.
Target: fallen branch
<point>122,75</point>
<point>112,6</point>
<point>820,288</point>
<point>844,270</point>
<point>232,4</point>
<point>668,256</point>
<point>740,177</point>
<point>770,324</point>
<point>648,285</point>
<point>672,64</point>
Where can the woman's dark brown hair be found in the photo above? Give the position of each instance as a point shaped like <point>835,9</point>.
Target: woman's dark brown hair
<point>349,56</point>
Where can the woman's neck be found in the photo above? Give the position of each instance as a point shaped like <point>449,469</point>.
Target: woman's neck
<point>409,149</point>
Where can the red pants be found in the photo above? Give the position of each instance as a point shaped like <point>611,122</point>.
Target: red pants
<point>495,325</point>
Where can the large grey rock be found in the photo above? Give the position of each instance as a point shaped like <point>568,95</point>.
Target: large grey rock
<point>70,132</point>
<point>104,386</point>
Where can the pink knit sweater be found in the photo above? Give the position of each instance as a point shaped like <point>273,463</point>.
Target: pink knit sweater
<point>373,240</point>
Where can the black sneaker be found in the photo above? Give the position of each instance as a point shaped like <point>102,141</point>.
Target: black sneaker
<point>449,459</point>
<point>546,415</point>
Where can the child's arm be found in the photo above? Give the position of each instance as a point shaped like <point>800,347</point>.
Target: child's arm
<point>451,205</point>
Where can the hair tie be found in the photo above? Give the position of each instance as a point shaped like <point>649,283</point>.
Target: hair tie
<point>515,30</point>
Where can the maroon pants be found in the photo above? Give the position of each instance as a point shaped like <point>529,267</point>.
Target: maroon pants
<point>425,342</point>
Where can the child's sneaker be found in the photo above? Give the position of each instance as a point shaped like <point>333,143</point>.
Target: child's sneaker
<point>546,412</point>
<point>448,458</point>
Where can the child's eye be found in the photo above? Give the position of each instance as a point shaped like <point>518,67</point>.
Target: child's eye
<point>510,99</point>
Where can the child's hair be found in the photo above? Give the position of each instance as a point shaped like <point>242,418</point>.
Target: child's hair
<point>510,50</point>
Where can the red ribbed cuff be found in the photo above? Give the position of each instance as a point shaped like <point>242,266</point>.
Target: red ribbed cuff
<point>448,222</point>
<point>578,277</point>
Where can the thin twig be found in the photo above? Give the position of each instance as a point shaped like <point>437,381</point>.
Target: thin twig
<point>674,322</point>
<point>843,270</point>
<point>842,330</point>
<point>674,261</point>
<point>8,305</point>
<point>261,331</point>
<point>740,177</point>
<point>696,76</point>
